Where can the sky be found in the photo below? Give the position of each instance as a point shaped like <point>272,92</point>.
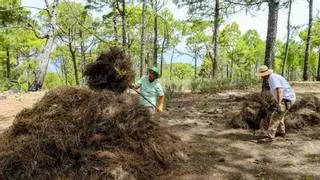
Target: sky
<point>246,21</point>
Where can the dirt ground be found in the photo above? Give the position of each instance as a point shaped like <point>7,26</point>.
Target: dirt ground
<point>215,151</point>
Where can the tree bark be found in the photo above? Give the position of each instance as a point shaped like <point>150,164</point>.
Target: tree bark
<point>308,44</point>
<point>231,69</point>
<point>165,36</point>
<point>8,63</point>
<point>227,71</point>
<point>216,39</point>
<point>74,62</point>
<point>122,12</point>
<point>271,37</point>
<point>115,28</point>
<point>318,74</point>
<point>143,38</point>
<point>82,52</point>
<point>45,56</point>
<point>123,19</point>
<point>155,40</point>
<point>288,38</point>
<point>65,70</point>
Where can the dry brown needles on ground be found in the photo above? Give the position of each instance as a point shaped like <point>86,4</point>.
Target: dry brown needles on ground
<point>256,112</point>
<point>77,133</point>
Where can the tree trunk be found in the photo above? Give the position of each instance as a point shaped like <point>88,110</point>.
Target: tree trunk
<point>231,69</point>
<point>82,52</point>
<point>318,74</point>
<point>65,71</point>
<point>143,38</point>
<point>227,69</point>
<point>288,38</point>
<point>115,28</point>
<point>172,55</point>
<point>122,13</point>
<point>162,51</point>
<point>45,56</point>
<point>155,40</point>
<point>308,45</point>
<point>74,62</point>
<point>216,39</point>
<point>271,37</point>
<point>8,64</point>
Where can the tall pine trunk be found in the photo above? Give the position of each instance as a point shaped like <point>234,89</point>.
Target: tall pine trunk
<point>271,37</point>
<point>82,52</point>
<point>308,44</point>
<point>45,56</point>
<point>216,39</point>
<point>155,29</point>
<point>65,71</point>
<point>288,38</point>
<point>122,12</point>
<point>115,26</point>
<point>162,55</point>
<point>143,38</point>
<point>74,62</point>
<point>165,40</point>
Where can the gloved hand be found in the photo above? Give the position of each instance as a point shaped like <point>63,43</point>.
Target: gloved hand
<point>160,108</point>
<point>133,86</point>
<point>280,108</point>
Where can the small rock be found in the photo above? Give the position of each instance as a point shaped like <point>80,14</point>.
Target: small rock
<point>222,160</point>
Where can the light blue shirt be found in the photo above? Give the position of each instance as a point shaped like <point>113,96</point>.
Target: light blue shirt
<point>150,90</point>
<point>276,81</point>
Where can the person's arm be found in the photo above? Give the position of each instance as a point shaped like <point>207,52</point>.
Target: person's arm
<point>161,103</point>
<point>137,84</point>
<point>279,99</point>
<point>160,94</point>
<point>279,95</point>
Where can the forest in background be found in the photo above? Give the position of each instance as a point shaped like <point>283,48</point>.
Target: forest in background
<point>54,46</point>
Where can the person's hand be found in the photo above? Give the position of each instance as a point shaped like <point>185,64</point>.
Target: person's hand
<point>133,86</point>
<point>160,108</point>
<point>281,108</point>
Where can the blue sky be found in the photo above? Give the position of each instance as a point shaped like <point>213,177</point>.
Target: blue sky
<point>258,21</point>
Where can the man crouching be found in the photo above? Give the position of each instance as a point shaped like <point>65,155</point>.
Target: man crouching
<point>284,96</point>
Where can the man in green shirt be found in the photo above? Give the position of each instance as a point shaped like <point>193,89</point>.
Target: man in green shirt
<point>151,89</point>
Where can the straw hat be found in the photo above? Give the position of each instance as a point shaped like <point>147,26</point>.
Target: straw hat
<point>264,71</point>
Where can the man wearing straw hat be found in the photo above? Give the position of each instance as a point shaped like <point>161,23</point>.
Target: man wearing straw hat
<point>151,90</point>
<point>284,96</point>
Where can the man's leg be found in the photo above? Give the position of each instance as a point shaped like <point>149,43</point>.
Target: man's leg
<point>277,119</point>
<point>282,128</point>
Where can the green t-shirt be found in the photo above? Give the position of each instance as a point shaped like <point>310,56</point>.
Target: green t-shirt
<point>150,90</point>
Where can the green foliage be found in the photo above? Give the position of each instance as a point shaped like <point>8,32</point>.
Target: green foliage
<point>180,71</point>
<point>52,81</point>
<point>80,32</point>
<point>209,86</point>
